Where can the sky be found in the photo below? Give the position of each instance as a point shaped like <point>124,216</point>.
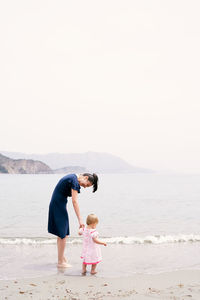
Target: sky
<point>107,76</point>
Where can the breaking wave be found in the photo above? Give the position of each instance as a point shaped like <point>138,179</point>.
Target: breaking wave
<point>129,240</point>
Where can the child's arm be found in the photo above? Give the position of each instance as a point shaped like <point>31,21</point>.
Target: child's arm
<point>80,232</point>
<point>99,242</point>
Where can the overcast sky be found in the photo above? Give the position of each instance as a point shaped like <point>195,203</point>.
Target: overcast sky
<point>109,76</point>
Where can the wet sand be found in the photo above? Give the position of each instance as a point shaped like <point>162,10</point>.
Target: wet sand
<point>179,285</point>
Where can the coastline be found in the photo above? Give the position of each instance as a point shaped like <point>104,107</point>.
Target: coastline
<point>176,285</point>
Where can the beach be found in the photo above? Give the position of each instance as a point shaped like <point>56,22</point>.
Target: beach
<point>149,222</point>
<point>172,285</point>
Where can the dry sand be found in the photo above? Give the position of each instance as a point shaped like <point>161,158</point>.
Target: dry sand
<point>174,285</point>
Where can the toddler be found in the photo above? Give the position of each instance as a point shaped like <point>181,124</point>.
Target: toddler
<point>91,252</point>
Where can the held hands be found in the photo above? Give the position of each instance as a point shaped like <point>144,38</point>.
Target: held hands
<point>81,225</point>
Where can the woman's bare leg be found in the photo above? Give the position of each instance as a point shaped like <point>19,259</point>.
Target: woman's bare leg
<point>61,249</point>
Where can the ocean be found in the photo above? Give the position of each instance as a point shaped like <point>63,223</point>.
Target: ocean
<point>150,222</point>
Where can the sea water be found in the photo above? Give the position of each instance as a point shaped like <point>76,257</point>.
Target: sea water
<point>150,223</point>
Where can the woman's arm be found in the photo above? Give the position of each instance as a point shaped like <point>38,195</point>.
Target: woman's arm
<point>76,207</point>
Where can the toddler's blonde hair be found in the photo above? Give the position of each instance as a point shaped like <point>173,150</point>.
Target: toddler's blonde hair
<point>92,219</point>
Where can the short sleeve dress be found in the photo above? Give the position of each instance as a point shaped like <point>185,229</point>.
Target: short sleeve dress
<point>58,221</point>
<point>91,252</point>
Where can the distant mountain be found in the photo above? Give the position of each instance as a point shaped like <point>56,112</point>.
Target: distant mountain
<point>22,166</point>
<point>70,169</point>
<point>91,161</point>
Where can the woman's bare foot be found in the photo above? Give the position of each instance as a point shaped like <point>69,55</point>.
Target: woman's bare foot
<point>63,265</point>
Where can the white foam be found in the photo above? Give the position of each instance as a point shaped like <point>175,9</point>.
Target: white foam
<point>155,239</point>
<point>130,240</point>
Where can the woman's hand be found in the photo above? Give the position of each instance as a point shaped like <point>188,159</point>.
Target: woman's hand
<point>81,224</point>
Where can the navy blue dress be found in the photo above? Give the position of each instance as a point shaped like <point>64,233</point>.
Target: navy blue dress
<point>58,222</point>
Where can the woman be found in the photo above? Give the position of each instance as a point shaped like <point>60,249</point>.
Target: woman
<point>58,224</point>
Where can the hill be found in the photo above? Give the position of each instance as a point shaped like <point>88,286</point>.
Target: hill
<point>22,166</point>
<point>92,161</point>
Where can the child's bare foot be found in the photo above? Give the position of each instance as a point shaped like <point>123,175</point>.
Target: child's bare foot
<point>93,272</point>
<point>93,269</point>
<point>84,272</point>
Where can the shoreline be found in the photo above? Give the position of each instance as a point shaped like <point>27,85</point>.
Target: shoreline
<point>29,261</point>
<point>176,285</point>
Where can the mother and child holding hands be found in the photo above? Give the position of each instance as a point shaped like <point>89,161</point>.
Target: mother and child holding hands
<point>58,222</point>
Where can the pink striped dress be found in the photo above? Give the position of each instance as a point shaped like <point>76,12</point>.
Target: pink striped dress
<point>91,252</point>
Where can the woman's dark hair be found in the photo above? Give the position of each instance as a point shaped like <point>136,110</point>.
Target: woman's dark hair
<point>93,178</point>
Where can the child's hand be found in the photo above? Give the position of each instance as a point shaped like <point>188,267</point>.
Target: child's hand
<point>80,232</point>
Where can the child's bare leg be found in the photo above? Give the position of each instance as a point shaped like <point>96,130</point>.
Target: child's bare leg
<point>93,269</point>
<point>84,269</point>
